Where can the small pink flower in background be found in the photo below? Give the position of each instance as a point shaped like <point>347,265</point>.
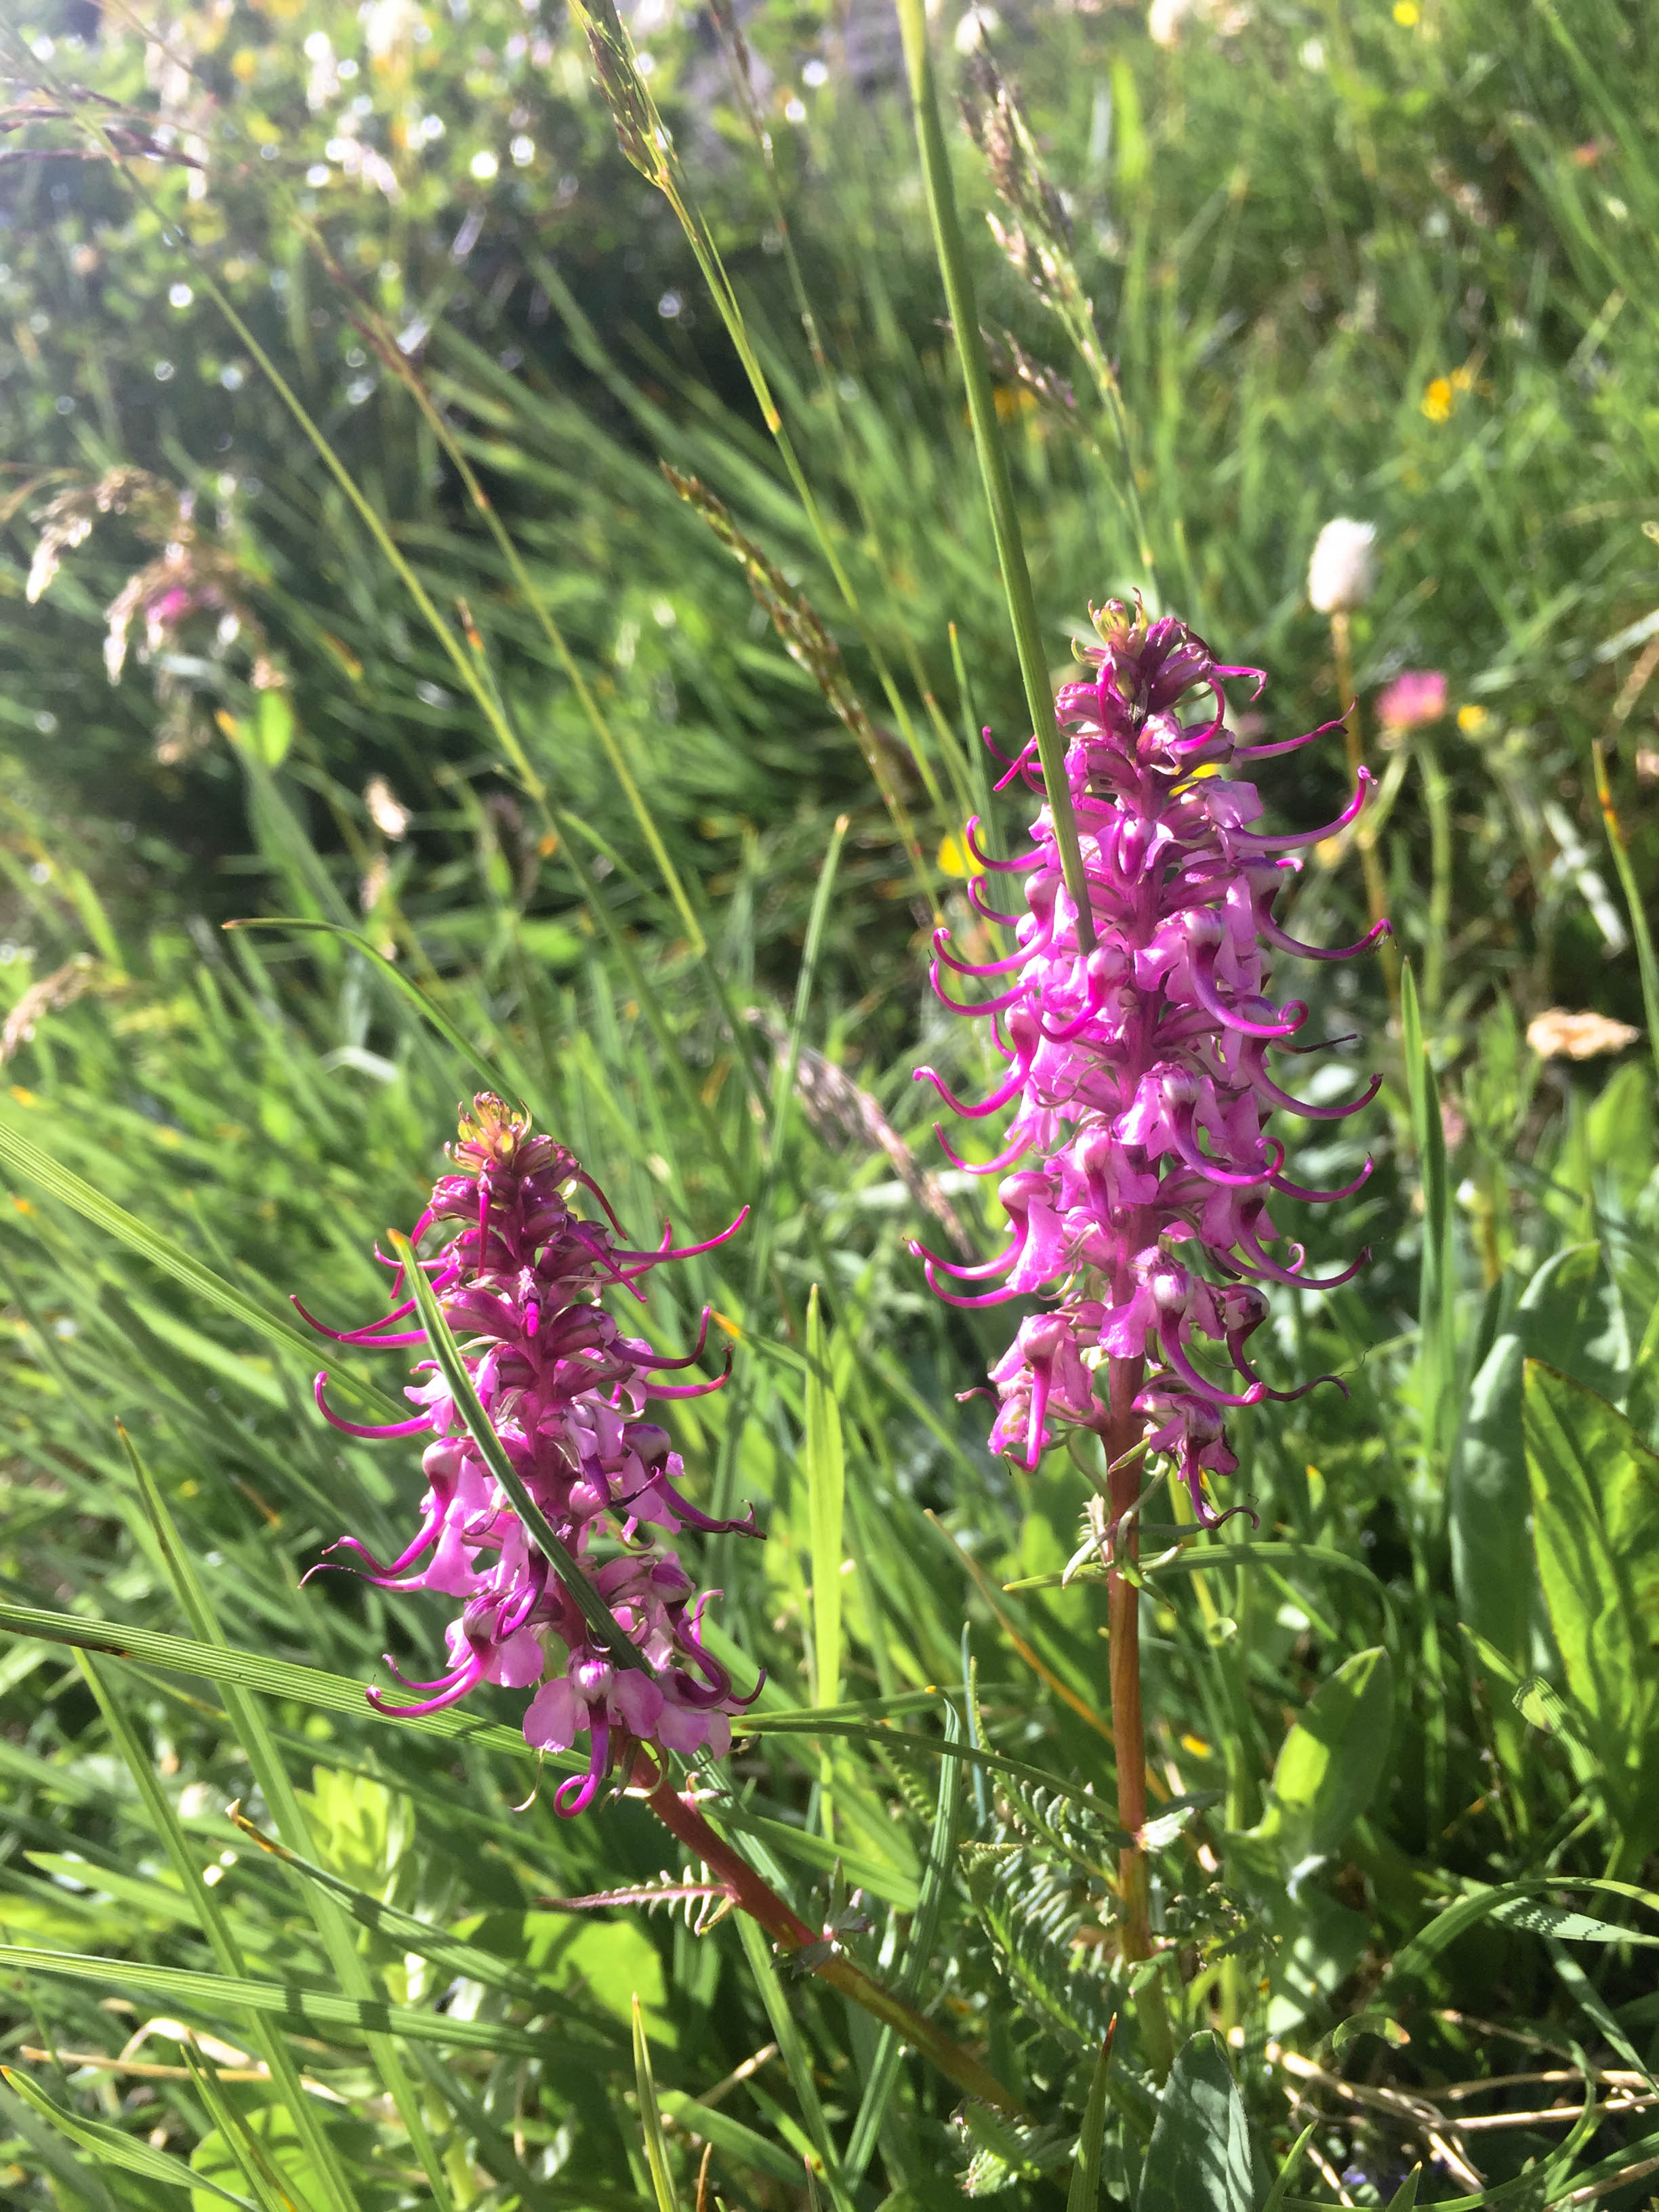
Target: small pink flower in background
<point>1416,696</point>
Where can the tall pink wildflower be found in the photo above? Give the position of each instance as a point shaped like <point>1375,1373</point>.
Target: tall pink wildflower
<point>519,1275</point>
<point>1137,1173</point>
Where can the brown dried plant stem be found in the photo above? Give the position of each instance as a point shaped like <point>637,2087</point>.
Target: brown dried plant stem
<point>1124,1430</point>
<point>684,1820</point>
<point>1370,861</point>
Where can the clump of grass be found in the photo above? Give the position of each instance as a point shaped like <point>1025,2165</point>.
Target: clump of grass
<point>259,1941</point>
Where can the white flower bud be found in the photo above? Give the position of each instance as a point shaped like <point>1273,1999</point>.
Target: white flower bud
<point>1167,19</point>
<point>1342,574</point>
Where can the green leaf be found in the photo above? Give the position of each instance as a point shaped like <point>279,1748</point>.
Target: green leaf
<point>1486,1507</point>
<point>826,1488</point>
<point>1331,1762</point>
<point>1286,2172</point>
<point>1405,2197</point>
<point>1412,1964</point>
<point>114,2147</point>
<point>796,2058</point>
<point>883,2077</point>
<point>1595,1528</point>
<point>1542,1917</point>
<point>1369,2023</point>
<point>1083,2194</point>
<point>273,727</point>
<point>729,2136</point>
<point>1437,1357</point>
<point>1198,2158</point>
<point>261,2144</point>
<point>1569,1314</point>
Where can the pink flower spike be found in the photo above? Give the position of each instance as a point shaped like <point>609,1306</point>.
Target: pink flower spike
<point>1138,1074</point>
<point>520,1278</point>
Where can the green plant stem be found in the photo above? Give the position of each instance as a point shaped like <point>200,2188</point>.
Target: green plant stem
<point>1370,860</point>
<point>992,460</point>
<point>1436,797</point>
<point>1123,1431</point>
<point>1638,920</point>
<point>684,1820</point>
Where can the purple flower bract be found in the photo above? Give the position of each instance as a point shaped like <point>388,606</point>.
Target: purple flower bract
<point>1137,1173</point>
<point>519,1275</point>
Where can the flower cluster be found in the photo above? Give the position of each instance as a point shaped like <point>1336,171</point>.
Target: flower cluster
<point>519,1275</point>
<point>1137,1065</point>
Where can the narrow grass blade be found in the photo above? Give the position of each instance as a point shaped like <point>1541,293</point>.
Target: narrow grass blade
<point>1436,1318</point>
<point>404,985</point>
<point>796,2058</point>
<point>114,2147</point>
<point>339,2020</point>
<point>593,1608</point>
<point>1286,2173</point>
<point>205,1908</point>
<point>248,1720</point>
<point>1405,2197</point>
<point>917,1949</point>
<point>450,1952</point>
<point>783,1091</point>
<point>78,2184</point>
<point>988,444</point>
<point>251,2157</point>
<point>1084,2194</point>
<point>826,1489</point>
<point>249,1670</point>
<point>729,2135</point>
<point>495,2153</point>
<point>159,1250</point>
<point>656,2150</point>
<point>649,147</point>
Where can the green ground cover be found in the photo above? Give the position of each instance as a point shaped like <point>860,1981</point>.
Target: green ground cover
<point>532,781</point>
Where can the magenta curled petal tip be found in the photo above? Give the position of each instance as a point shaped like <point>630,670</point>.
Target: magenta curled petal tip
<point>359,1429</point>
<point>1136,1057</point>
<point>520,1277</point>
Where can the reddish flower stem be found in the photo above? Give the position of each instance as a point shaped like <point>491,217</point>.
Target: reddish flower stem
<point>684,1820</point>
<point>1123,1431</point>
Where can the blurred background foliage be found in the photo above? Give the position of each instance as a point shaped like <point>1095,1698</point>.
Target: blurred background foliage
<point>1396,263</point>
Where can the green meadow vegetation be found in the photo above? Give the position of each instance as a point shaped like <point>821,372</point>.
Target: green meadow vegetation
<point>512,509</point>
